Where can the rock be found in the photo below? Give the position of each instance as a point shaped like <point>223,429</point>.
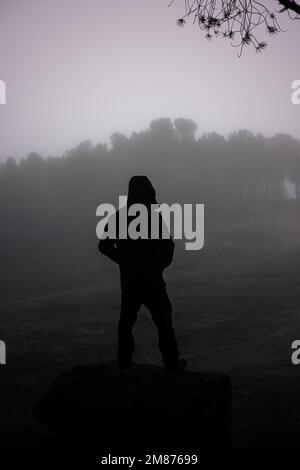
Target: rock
<point>93,406</point>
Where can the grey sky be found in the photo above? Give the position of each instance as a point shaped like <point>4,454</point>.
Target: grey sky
<point>83,69</point>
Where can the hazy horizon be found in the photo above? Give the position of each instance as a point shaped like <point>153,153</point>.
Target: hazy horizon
<point>78,70</point>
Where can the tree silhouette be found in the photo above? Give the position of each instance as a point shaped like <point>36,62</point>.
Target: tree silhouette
<point>236,20</point>
<point>186,128</point>
<point>48,206</point>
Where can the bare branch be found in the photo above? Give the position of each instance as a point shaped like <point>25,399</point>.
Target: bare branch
<point>289,5</point>
<point>237,20</point>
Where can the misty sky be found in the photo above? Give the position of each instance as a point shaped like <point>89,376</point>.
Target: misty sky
<point>83,69</point>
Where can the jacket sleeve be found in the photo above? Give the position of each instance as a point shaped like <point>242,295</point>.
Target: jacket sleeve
<point>167,246</point>
<point>107,247</point>
<point>167,251</point>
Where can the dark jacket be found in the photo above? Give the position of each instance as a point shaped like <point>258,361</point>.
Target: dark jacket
<point>141,258</point>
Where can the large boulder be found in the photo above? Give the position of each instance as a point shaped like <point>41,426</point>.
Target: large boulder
<point>93,406</point>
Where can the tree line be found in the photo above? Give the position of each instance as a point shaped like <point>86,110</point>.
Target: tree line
<point>48,205</point>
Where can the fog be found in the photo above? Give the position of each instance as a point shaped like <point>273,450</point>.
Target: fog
<point>98,91</point>
<point>248,183</point>
<point>77,70</point>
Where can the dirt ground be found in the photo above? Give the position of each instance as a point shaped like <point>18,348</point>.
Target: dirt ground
<point>237,315</point>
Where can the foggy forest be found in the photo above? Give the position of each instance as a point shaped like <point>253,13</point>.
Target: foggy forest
<point>60,298</point>
<point>48,205</point>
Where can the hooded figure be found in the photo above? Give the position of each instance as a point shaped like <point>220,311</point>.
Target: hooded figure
<point>141,263</point>
<point>141,191</point>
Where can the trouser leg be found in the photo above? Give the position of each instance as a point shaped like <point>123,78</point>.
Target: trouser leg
<point>130,306</point>
<point>159,305</point>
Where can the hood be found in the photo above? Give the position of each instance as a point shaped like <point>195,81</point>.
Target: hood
<point>141,191</point>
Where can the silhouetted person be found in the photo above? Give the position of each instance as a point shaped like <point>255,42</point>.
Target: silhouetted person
<point>142,262</point>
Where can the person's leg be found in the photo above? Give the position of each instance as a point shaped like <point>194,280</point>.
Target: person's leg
<point>159,305</point>
<point>130,305</point>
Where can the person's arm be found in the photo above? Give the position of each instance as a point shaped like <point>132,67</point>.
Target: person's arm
<point>166,252</point>
<point>167,246</point>
<point>107,247</point>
